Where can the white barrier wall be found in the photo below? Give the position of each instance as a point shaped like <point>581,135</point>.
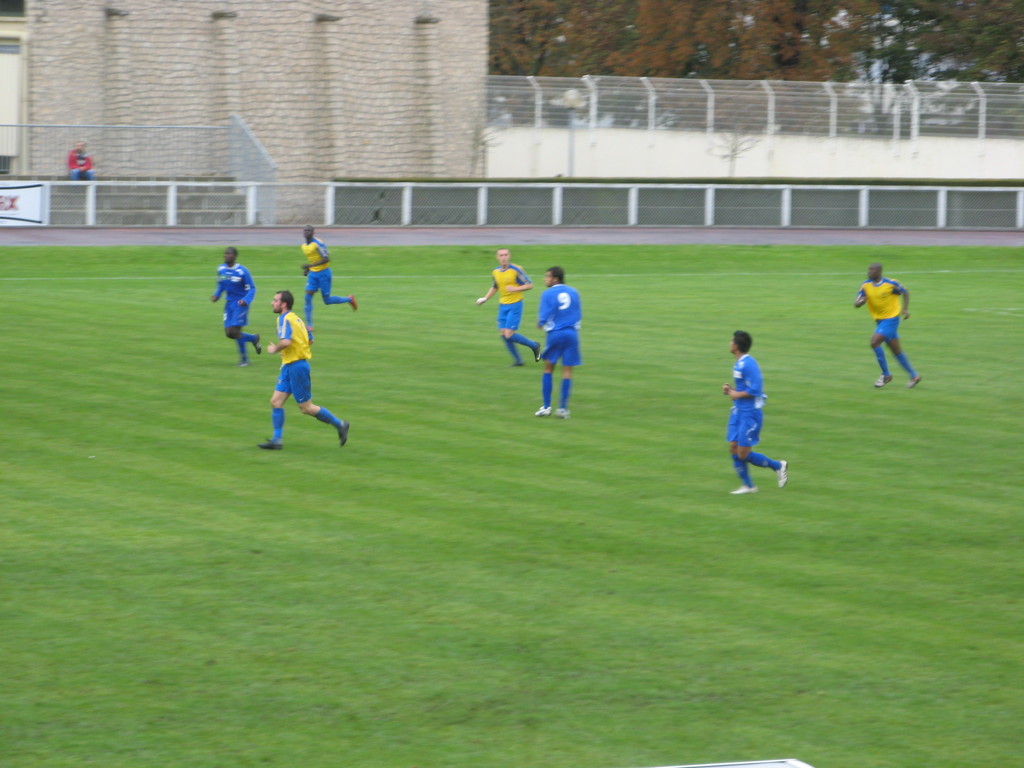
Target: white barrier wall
<point>638,154</point>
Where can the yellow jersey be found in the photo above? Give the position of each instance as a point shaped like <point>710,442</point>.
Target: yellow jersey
<point>883,298</point>
<point>315,250</point>
<point>503,278</point>
<point>290,326</point>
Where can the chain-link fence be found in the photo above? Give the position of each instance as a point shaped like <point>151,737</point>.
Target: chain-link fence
<point>401,204</point>
<point>880,110</point>
<point>139,152</point>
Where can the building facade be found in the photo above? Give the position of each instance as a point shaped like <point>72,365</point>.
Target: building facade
<point>332,89</point>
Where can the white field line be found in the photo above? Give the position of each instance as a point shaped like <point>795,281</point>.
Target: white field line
<point>584,276</point>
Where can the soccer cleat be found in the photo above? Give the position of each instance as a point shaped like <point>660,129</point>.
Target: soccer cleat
<point>783,473</point>
<point>882,380</point>
<point>914,382</point>
<point>257,345</point>
<point>545,411</point>
<point>515,365</point>
<point>271,445</point>
<point>743,489</point>
<point>536,353</point>
<point>353,302</point>
<point>243,364</point>
<point>562,413</point>
<point>343,432</point>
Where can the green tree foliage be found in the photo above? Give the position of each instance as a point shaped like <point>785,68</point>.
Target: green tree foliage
<point>890,41</point>
<point>981,40</point>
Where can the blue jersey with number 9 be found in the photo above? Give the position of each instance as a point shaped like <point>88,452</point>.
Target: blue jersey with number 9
<point>560,309</point>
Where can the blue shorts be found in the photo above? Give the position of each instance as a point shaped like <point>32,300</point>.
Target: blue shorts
<point>235,314</point>
<point>745,426</point>
<point>294,379</point>
<point>889,328</point>
<point>320,281</point>
<point>563,344</point>
<point>510,315</point>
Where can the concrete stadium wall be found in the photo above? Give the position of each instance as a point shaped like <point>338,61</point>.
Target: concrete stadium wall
<point>387,89</point>
<point>618,153</point>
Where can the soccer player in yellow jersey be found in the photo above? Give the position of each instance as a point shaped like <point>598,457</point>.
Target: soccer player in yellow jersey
<point>511,282</point>
<point>887,300</point>
<point>318,274</point>
<point>294,379</point>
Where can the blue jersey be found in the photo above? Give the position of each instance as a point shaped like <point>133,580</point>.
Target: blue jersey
<point>236,282</point>
<point>560,309</point>
<point>746,377</point>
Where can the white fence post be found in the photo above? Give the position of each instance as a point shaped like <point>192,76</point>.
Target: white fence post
<point>329,204</point>
<point>863,201</point>
<point>940,208</point>
<point>251,204</point>
<point>538,107</point>
<point>709,206</point>
<point>982,116</point>
<point>787,206</point>
<point>481,205</point>
<point>770,128</point>
<point>592,115</point>
<point>172,205</point>
<point>833,113</point>
<point>556,205</point>
<point>652,104</point>
<point>709,117</point>
<point>406,204</point>
<point>915,115</point>
<point>90,205</point>
<point>632,213</point>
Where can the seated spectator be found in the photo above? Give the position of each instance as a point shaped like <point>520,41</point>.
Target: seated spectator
<point>80,164</point>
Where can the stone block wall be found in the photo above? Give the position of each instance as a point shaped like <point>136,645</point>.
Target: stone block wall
<point>343,89</point>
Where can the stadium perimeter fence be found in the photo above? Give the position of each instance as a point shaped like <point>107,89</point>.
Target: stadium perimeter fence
<point>479,204</point>
<point>770,107</point>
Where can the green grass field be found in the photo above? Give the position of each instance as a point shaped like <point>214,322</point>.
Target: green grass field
<point>467,586</point>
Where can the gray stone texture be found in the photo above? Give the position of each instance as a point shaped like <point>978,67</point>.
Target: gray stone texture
<point>391,89</point>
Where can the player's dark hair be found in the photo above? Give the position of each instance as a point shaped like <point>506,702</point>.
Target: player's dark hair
<point>286,298</point>
<point>742,341</point>
<point>558,273</point>
<point>231,249</point>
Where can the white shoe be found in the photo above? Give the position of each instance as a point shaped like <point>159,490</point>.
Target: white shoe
<point>562,413</point>
<point>744,489</point>
<point>545,411</point>
<point>882,380</point>
<point>783,473</point>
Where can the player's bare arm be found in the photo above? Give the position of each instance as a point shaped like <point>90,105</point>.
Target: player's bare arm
<point>734,394</point>
<point>275,348</point>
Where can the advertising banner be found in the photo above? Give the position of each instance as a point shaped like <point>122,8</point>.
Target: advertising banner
<point>24,205</point>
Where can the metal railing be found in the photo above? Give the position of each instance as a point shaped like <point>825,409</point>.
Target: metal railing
<point>140,151</point>
<point>425,204</point>
<point>771,107</point>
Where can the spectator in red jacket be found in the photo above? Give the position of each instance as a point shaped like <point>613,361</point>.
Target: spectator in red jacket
<point>80,164</point>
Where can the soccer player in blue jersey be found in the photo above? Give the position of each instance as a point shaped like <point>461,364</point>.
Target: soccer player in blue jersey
<point>560,314</point>
<point>294,379</point>
<point>511,282</point>
<point>747,416</point>
<point>318,275</point>
<point>884,297</point>
<point>235,281</point>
